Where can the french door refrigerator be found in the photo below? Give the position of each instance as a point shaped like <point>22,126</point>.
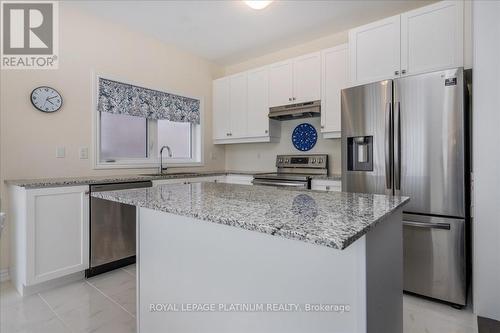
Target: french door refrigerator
<point>408,137</point>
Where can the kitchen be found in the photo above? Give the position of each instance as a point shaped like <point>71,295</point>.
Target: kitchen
<point>193,132</point>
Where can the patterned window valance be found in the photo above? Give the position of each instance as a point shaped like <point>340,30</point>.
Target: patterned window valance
<point>121,98</point>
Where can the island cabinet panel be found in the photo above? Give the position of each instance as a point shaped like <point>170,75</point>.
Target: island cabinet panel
<point>334,78</point>
<point>432,37</point>
<point>374,51</point>
<point>57,232</point>
<point>223,266</point>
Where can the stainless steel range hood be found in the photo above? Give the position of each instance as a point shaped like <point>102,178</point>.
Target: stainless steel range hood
<point>296,111</point>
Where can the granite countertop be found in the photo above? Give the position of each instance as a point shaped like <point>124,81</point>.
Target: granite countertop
<point>332,219</point>
<point>74,181</point>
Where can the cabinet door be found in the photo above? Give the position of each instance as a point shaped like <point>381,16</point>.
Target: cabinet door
<point>258,102</point>
<point>374,51</point>
<point>221,115</point>
<point>238,105</point>
<point>57,232</point>
<point>334,79</point>
<point>326,185</point>
<point>307,78</point>
<point>281,83</point>
<point>432,37</point>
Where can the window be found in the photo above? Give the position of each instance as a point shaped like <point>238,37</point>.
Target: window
<point>123,136</point>
<point>126,141</point>
<point>177,136</point>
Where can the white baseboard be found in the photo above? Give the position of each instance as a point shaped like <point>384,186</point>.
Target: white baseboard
<point>4,275</point>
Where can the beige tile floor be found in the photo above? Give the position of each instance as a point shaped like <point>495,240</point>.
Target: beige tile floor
<point>106,303</point>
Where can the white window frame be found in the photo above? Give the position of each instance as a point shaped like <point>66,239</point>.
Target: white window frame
<point>152,161</point>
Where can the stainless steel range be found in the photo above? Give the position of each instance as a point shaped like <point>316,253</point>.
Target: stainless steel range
<point>294,171</point>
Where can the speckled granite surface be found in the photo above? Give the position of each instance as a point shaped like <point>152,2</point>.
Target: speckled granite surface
<point>73,181</point>
<point>332,219</point>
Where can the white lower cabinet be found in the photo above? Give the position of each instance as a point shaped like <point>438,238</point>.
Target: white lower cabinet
<point>209,179</point>
<point>50,228</point>
<point>326,185</point>
<point>230,179</point>
<point>238,179</point>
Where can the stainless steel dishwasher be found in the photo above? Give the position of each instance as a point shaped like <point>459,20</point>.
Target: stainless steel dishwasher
<point>112,230</point>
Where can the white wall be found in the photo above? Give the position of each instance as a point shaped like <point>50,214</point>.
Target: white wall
<point>486,225</point>
<point>28,138</point>
<point>262,156</point>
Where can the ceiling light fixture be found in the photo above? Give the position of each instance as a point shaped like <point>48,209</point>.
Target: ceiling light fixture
<point>258,4</point>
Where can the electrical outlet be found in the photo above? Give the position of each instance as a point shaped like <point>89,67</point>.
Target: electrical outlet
<point>61,152</point>
<point>84,153</point>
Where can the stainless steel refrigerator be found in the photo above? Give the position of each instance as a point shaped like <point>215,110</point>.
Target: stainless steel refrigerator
<point>408,137</point>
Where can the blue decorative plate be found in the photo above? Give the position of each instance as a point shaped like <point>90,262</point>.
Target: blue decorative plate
<point>304,137</point>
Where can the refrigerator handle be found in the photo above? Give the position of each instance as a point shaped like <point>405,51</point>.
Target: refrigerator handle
<point>397,149</point>
<point>388,146</point>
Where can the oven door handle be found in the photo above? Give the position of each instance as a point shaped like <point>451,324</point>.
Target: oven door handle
<point>278,183</point>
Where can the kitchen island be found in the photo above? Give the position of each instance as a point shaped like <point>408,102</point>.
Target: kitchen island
<point>235,258</point>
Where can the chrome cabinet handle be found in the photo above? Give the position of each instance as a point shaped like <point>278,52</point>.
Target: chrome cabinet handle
<point>403,71</point>
<point>294,98</point>
<point>445,226</point>
<point>388,146</point>
<point>290,99</point>
<point>322,126</point>
<point>266,131</point>
<point>396,73</point>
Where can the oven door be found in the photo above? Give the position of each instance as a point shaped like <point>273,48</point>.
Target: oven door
<point>281,183</point>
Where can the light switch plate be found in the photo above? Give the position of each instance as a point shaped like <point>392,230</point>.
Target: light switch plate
<point>61,152</point>
<point>84,153</point>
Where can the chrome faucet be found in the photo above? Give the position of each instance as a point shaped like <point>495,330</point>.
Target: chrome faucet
<point>161,158</point>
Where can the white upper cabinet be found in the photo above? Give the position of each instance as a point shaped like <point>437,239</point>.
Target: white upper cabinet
<point>432,37</point>
<point>220,109</point>
<point>296,80</point>
<point>334,78</point>
<point>281,83</point>
<point>307,78</point>
<point>238,105</point>
<point>375,51</point>
<point>258,102</point>
<point>241,108</point>
<point>423,40</point>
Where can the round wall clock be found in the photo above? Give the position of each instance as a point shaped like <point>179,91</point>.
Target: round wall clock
<point>46,99</point>
<point>304,137</point>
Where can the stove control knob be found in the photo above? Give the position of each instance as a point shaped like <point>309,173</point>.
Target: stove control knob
<point>313,160</point>
<point>320,160</point>
<point>287,160</point>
